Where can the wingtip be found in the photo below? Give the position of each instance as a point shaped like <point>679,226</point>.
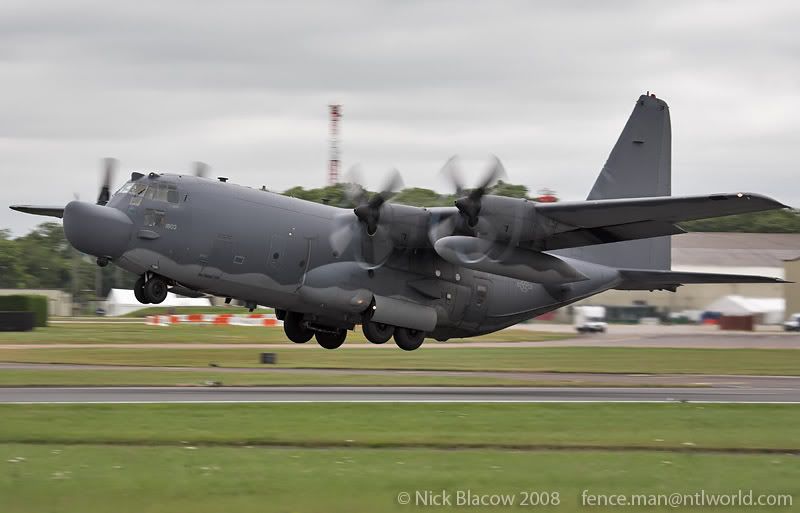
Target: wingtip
<point>763,197</point>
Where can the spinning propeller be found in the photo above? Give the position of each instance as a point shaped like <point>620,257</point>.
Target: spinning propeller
<point>468,203</point>
<point>370,217</point>
<point>110,166</point>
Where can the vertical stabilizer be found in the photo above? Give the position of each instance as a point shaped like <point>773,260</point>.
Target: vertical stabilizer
<point>639,166</point>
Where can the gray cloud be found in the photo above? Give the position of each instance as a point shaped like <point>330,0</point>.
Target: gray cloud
<point>244,86</point>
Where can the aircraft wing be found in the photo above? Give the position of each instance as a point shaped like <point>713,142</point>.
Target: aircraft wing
<point>638,279</point>
<point>584,223</point>
<point>39,210</point>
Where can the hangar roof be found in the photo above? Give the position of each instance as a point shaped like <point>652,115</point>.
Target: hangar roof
<point>734,249</point>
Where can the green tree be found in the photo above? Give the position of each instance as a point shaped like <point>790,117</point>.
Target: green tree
<point>511,190</point>
<point>12,273</point>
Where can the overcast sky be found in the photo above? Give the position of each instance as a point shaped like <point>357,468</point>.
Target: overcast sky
<point>244,85</point>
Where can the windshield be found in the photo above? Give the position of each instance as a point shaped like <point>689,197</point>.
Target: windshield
<point>164,192</point>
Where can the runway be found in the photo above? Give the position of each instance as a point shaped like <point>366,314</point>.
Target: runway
<point>394,394</point>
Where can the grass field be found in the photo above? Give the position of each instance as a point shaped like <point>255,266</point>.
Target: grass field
<point>143,480</point>
<point>557,359</point>
<point>83,377</point>
<point>360,457</point>
<point>601,425</point>
<point>128,333</point>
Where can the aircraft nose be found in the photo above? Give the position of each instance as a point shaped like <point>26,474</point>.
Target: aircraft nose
<point>97,230</point>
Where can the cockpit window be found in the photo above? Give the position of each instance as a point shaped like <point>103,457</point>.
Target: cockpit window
<point>125,189</point>
<point>165,192</point>
<point>138,189</point>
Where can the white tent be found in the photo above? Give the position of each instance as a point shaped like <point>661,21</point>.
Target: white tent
<point>122,301</point>
<point>768,309</point>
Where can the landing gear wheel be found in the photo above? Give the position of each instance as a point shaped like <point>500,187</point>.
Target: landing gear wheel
<point>331,340</point>
<point>377,333</point>
<point>294,329</point>
<point>408,339</point>
<point>138,291</point>
<point>155,290</point>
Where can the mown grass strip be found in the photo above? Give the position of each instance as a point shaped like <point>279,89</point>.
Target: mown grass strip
<point>552,359</point>
<point>720,426</point>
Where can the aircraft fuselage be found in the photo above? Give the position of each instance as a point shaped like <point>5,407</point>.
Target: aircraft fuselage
<point>273,250</point>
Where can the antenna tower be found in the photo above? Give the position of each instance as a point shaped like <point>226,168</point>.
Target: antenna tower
<point>333,162</point>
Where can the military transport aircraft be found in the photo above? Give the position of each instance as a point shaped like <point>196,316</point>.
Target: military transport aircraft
<point>486,263</point>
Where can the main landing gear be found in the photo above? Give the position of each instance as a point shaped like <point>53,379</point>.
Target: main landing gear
<point>301,331</point>
<point>408,339</point>
<point>151,290</point>
<point>294,328</point>
<point>377,333</point>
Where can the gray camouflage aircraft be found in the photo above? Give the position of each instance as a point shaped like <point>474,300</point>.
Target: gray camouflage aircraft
<point>484,264</point>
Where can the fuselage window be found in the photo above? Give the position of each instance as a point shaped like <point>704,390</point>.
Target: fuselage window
<point>154,217</point>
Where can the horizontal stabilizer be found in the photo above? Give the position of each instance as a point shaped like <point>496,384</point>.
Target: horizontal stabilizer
<point>637,279</point>
<point>39,211</point>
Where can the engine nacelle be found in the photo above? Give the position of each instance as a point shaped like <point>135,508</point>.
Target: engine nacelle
<point>406,226</point>
<point>504,219</point>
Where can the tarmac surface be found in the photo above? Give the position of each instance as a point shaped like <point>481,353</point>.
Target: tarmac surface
<point>555,378</point>
<point>393,394</point>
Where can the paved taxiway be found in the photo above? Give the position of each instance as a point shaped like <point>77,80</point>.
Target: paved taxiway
<point>392,394</point>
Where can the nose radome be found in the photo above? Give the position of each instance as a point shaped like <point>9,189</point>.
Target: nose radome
<point>97,230</point>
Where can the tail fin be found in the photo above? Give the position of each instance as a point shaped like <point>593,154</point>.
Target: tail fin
<point>639,166</point>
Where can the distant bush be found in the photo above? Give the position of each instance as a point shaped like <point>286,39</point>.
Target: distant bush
<point>26,303</point>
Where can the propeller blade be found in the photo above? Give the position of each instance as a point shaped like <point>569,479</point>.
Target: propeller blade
<point>495,172</point>
<point>451,170</point>
<point>440,228</point>
<point>200,169</point>
<point>345,229</point>
<point>390,187</point>
<point>109,168</point>
<point>470,205</point>
<point>353,190</point>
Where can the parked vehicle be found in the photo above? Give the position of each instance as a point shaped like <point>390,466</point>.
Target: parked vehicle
<point>590,319</point>
<point>793,324</point>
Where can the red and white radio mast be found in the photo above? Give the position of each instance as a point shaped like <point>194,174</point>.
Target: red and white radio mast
<point>333,162</point>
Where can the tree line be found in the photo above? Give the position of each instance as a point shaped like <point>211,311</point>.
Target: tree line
<point>43,258</point>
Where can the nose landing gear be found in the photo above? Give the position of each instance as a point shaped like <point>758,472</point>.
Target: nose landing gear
<point>151,290</point>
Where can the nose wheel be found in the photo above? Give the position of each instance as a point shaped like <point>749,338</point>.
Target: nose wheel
<point>138,290</point>
<point>152,291</point>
